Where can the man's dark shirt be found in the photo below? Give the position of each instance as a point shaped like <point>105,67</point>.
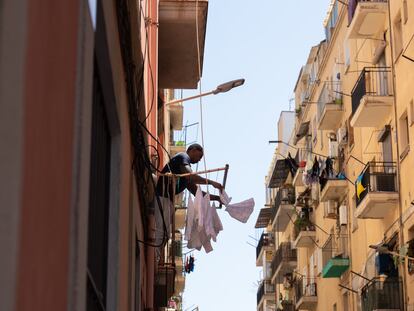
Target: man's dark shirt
<point>177,165</point>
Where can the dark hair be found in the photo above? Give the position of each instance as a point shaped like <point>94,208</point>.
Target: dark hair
<point>196,147</point>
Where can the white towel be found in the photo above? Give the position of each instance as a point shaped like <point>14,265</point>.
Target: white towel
<point>240,211</point>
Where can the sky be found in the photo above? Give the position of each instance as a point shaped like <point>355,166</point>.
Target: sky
<point>266,42</point>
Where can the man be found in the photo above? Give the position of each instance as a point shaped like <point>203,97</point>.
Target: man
<point>179,164</point>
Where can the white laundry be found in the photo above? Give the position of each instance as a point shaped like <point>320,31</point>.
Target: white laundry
<point>240,211</point>
<point>203,223</point>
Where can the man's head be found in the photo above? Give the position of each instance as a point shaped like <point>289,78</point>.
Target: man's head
<point>195,152</point>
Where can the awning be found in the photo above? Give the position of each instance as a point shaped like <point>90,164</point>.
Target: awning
<point>302,131</point>
<point>279,174</point>
<point>263,218</point>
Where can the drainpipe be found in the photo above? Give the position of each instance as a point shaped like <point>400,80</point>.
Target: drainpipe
<point>401,235</point>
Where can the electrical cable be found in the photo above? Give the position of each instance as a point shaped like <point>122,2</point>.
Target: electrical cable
<point>141,164</point>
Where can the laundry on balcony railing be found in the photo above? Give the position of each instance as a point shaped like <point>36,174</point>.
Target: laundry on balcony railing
<point>305,287</point>
<point>376,177</point>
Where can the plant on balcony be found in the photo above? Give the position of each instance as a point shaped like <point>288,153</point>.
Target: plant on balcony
<point>298,111</point>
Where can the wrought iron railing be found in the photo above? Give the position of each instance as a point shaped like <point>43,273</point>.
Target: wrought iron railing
<point>383,294</point>
<point>331,95</point>
<point>265,287</point>
<point>266,239</point>
<point>285,195</point>
<point>373,81</point>
<point>305,287</point>
<point>376,177</point>
<point>352,5</point>
<point>286,253</point>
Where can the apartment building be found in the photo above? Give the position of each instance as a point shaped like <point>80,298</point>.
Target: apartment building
<point>339,206</point>
<point>84,91</point>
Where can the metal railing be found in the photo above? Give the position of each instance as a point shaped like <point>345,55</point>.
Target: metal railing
<point>265,287</point>
<point>383,294</point>
<point>286,253</point>
<point>335,246</point>
<point>285,195</point>
<point>331,95</point>
<point>373,81</point>
<point>266,239</point>
<point>377,177</point>
<point>305,287</point>
<point>352,5</point>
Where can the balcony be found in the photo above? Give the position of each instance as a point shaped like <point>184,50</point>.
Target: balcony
<point>335,258</point>
<point>266,243</point>
<point>306,295</point>
<point>266,291</point>
<point>366,18</point>
<point>164,285</point>
<point>177,147</point>
<point>330,108</point>
<point>284,262</point>
<point>333,189</point>
<point>376,189</point>
<point>283,208</point>
<point>372,97</point>
<point>178,253</point>
<point>383,294</point>
<point>178,51</point>
<point>304,231</point>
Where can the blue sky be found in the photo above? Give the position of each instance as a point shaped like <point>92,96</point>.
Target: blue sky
<point>266,42</point>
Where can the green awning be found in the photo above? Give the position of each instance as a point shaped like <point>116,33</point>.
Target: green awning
<point>335,267</point>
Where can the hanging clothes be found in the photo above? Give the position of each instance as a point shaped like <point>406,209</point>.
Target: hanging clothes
<point>239,211</point>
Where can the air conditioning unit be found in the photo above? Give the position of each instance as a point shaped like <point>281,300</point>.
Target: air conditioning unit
<point>341,135</point>
<point>331,209</point>
<point>333,148</point>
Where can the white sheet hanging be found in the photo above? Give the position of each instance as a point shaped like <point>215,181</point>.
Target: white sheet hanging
<point>240,211</point>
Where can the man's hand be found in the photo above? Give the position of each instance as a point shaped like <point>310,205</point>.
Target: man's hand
<point>217,185</point>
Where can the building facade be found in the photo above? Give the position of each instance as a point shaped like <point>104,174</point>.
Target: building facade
<point>338,219</point>
<point>84,129</point>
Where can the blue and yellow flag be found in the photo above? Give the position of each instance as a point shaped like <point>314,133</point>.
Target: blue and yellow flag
<point>359,186</point>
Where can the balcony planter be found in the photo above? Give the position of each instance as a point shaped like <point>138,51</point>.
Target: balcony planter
<point>335,267</point>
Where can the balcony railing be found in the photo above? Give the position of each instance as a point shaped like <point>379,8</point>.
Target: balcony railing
<point>285,195</point>
<point>376,177</point>
<point>383,295</point>
<point>284,253</point>
<point>266,239</point>
<point>373,81</point>
<point>352,5</point>
<point>266,287</point>
<point>305,287</point>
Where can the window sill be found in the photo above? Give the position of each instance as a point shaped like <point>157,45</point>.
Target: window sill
<point>404,153</point>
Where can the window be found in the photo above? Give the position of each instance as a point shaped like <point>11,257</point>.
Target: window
<point>404,135</point>
<point>398,40</point>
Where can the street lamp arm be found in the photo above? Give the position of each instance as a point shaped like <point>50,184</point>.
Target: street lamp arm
<point>222,88</point>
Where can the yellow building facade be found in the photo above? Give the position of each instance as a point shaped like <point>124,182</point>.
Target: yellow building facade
<point>338,221</point>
